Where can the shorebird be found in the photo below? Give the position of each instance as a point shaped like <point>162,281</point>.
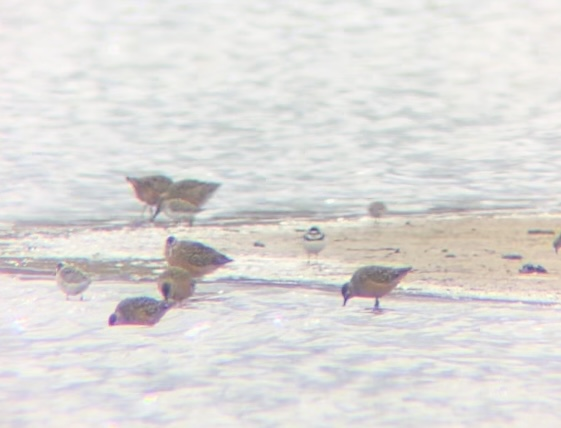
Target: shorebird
<point>193,191</point>
<point>194,257</point>
<point>139,311</point>
<point>313,241</point>
<point>557,244</point>
<point>176,284</point>
<point>373,281</point>
<point>149,189</point>
<point>180,210</point>
<point>377,209</point>
<point>71,280</point>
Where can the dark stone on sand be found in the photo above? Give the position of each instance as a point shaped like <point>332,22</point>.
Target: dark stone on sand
<point>541,232</point>
<point>259,244</point>
<point>512,256</point>
<point>530,268</point>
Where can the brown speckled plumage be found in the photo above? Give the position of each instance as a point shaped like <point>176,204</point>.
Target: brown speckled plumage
<point>150,188</point>
<point>176,284</point>
<point>139,311</point>
<point>194,257</point>
<point>193,191</point>
<point>373,281</point>
<point>180,210</point>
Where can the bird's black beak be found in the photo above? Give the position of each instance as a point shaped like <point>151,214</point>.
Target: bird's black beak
<point>345,292</point>
<point>166,290</point>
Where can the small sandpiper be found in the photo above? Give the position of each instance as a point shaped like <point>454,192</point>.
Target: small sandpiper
<point>197,258</point>
<point>71,280</point>
<point>149,189</point>
<point>139,311</point>
<point>180,210</point>
<point>193,191</point>
<point>176,284</point>
<point>313,241</point>
<point>377,209</point>
<point>373,281</point>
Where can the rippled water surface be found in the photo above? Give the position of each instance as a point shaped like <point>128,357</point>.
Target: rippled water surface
<point>299,109</point>
<point>268,355</point>
<point>314,107</point>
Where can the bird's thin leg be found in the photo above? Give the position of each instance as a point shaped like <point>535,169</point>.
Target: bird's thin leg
<point>376,305</point>
<point>318,263</point>
<point>156,211</point>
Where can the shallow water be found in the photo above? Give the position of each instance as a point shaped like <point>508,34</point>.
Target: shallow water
<point>310,109</point>
<point>268,355</point>
<point>264,342</point>
<point>313,108</point>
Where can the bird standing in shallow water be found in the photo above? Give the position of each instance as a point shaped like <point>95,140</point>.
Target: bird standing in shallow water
<point>139,311</point>
<point>313,241</point>
<point>71,280</point>
<point>193,191</point>
<point>373,281</point>
<point>149,189</point>
<point>180,209</point>
<point>176,284</point>
<point>197,258</point>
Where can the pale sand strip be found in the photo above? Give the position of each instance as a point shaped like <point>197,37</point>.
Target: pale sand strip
<point>454,256</point>
<point>451,255</point>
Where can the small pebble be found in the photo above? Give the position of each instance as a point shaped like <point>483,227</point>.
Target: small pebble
<point>541,232</point>
<point>512,256</point>
<point>530,268</point>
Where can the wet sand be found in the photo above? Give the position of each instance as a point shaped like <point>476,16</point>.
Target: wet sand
<point>457,256</point>
<point>266,342</point>
<point>461,255</point>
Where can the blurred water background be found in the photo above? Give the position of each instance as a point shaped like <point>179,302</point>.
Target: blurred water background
<point>316,107</point>
<point>306,109</point>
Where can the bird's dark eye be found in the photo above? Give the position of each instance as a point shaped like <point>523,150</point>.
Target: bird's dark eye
<point>171,240</point>
<point>112,319</point>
